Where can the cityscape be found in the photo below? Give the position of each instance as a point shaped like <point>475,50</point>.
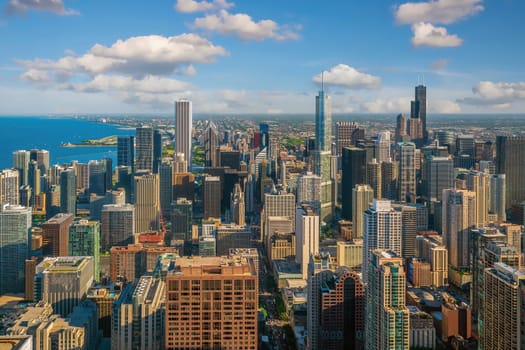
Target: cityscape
<point>334,219</point>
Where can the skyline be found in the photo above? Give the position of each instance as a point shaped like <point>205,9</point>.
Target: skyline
<point>242,57</point>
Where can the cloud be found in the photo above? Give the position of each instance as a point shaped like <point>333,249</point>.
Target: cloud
<point>244,27</point>
<point>189,6</point>
<point>498,95</point>
<point>22,6</point>
<point>439,64</point>
<point>149,84</point>
<point>348,77</point>
<point>437,11</point>
<point>136,56</point>
<point>444,106</point>
<point>391,105</point>
<point>425,34</point>
<point>36,76</point>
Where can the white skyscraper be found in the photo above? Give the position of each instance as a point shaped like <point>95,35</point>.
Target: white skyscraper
<point>9,182</point>
<point>382,147</point>
<point>381,230</point>
<point>308,188</point>
<point>183,126</point>
<point>307,237</point>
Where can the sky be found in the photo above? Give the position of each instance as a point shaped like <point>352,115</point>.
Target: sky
<point>263,56</point>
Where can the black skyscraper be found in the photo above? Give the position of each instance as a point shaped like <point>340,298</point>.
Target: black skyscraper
<point>354,172</point>
<point>419,109</point>
<point>126,151</point>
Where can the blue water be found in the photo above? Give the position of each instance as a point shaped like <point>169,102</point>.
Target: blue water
<point>48,133</point>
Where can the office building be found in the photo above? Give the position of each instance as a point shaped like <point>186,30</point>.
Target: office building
<point>350,254</point>
<point>346,135</point>
<point>16,342</point>
<point>211,142</point>
<point>381,230</point>
<point>465,145</point>
<point>232,236</point>
<point>407,172</point>
<point>439,176</point>
<point>55,233</point>
<point>104,296</point>
<point>497,196</point>
<point>144,149</point>
<point>84,240</point>
<point>389,179</point>
<point>68,194</point>
<point>207,246</point>
<point>64,281</point>
<point>430,249</point>
<point>212,197</point>
<point>9,183</point>
<point>34,180</point>
<point>127,262</point>
<point>15,238</point>
<point>281,246</point>
<point>126,151</point>
<point>510,160</point>
<point>362,197</point>
<point>422,330</point>
<point>147,203</point>
<point>354,172</point>
<point>181,219</point>
<point>138,316</point>
<point>458,218</point>
<point>157,151</point>
<point>184,185</point>
<point>166,187</point>
<point>307,231</point>
<point>373,177</point>
<point>308,188</point>
<point>387,317</point>
<point>21,159</point>
<point>401,128</point>
<point>408,229</point>
<point>419,109</point>
<point>503,307</point>
<point>229,322</point>
<point>277,205</point>
<point>117,225</point>
<point>382,147</point>
<point>478,183</point>
<point>183,129</point>
<point>237,206</point>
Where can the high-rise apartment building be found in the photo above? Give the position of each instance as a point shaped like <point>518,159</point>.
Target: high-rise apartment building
<point>362,197</point>
<point>407,172</point>
<point>147,203</point>
<point>126,151</point>
<point>9,183</point>
<point>21,159</point>
<point>117,225</point>
<point>478,183</point>
<point>183,129</point>
<point>381,230</point>
<point>387,317</point>
<point>307,231</point>
<point>373,177</point>
<point>127,262</point>
<point>144,148</point>
<point>211,303</point>
<point>510,160</point>
<point>55,234</point>
<point>84,240</point>
<point>323,122</point>
<point>308,188</point>
<point>431,249</point>
<point>64,281</point>
<point>15,245</point>
<point>68,191</point>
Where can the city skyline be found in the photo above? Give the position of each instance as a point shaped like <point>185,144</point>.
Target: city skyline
<point>230,57</point>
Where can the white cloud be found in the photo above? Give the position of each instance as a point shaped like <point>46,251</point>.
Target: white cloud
<point>425,34</point>
<point>498,95</point>
<point>437,11</point>
<point>444,106</point>
<point>244,27</point>
<point>348,77</point>
<point>149,84</point>
<point>390,105</point>
<point>189,6</point>
<point>36,76</point>
<point>439,64</point>
<point>22,6</point>
<point>136,56</point>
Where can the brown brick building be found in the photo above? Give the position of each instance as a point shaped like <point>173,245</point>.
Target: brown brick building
<point>211,303</point>
<point>55,233</point>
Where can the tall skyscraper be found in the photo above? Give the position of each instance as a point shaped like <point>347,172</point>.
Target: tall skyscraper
<point>478,183</point>
<point>181,219</point>
<point>419,108</point>
<point>55,233</point>
<point>373,177</point>
<point>362,197</point>
<point>68,191</point>
<point>237,206</point>
<point>9,184</point>
<point>407,172</point>
<point>277,205</point>
<point>183,129</point>
<point>233,288</point>
<point>84,240</point>
<point>307,237</point>
<point>497,196</point>
<point>147,203</point>
<point>21,159</point>
<point>264,130</point>
<point>211,142</point>
<point>157,151</point>
<point>15,245</point>
<point>323,122</point>
<point>97,177</point>
<point>354,172</point>
<point>346,135</point>
<point>387,317</point>
<point>458,218</point>
<point>308,188</point>
<point>382,147</point>
<point>503,306</point>
<point>389,179</point>
<point>34,180</point>
<point>212,197</point>
<point>64,281</point>
<point>144,148</point>
<point>166,187</point>
<point>401,128</point>
<point>126,150</point>
<point>510,160</point>
<point>41,157</point>
<point>382,230</point>
<point>439,176</point>
<point>117,225</point>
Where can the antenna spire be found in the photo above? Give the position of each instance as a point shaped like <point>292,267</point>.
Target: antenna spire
<point>322,81</point>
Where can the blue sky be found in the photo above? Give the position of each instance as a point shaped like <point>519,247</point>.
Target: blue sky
<point>264,56</point>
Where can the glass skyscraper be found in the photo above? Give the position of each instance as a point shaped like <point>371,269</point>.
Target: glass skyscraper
<point>323,122</point>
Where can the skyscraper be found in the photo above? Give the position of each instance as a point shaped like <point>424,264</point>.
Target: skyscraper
<point>84,240</point>
<point>226,315</point>
<point>307,237</point>
<point>181,219</point>
<point>277,205</point>
<point>21,159</point>
<point>9,183</point>
<point>458,218</point>
<point>389,179</point>
<point>147,203</point>
<point>68,191</point>
<point>439,176</point>
<point>55,233</point>
<point>183,129</point>
<point>401,128</point>
<point>323,122</point>
<point>354,172</point>
<point>212,197</point>
<point>211,142</point>
<point>126,151</point>
<point>510,160</point>
<point>117,225</point>
<point>97,177</point>
<point>15,245</point>
<point>419,109</point>
<point>237,206</point>
<point>264,130</point>
<point>362,197</point>
<point>382,230</point>
<point>387,317</point>
<point>373,177</point>
<point>166,187</point>
<point>478,183</point>
<point>346,135</point>
<point>144,149</point>
<point>407,172</point>
<point>382,145</point>
<point>157,151</point>
<point>308,188</point>
<point>497,195</point>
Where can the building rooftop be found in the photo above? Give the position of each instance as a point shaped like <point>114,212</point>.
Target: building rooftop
<point>214,265</point>
<point>63,264</point>
<point>15,342</point>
